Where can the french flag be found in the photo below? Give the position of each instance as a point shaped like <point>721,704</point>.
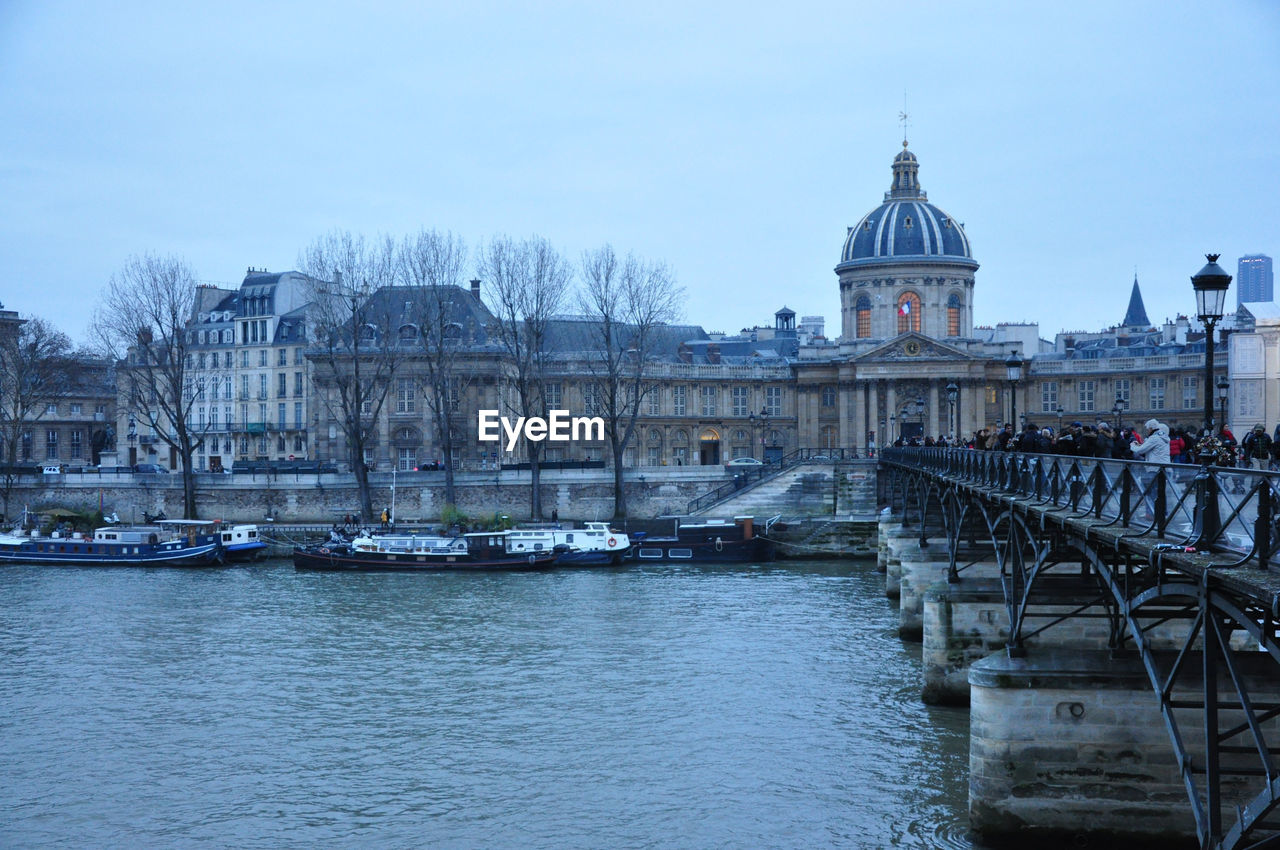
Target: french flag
<point>904,309</point>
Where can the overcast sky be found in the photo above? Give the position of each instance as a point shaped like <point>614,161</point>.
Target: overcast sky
<point>1076,141</point>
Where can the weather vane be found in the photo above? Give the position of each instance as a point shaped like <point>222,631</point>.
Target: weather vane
<point>902,116</point>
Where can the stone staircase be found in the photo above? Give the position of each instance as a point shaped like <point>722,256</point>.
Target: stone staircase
<point>806,489</point>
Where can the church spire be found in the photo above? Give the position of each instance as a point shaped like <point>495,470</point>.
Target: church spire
<point>1136,315</point>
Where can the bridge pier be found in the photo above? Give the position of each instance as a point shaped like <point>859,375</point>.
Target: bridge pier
<point>1071,745</point>
<point>918,570</point>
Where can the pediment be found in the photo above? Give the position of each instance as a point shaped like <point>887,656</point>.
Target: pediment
<point>913,346</point>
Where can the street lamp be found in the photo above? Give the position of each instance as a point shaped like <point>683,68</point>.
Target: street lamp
<point>920,415</point>
<point>764,431</point>
<point>893,427</point>
<point>952,392</point>
<point>1060,412</point>
<point>1120,406</point>
<point>1223,386</point>
<point>1013,370</point>
<point>1210,285</point>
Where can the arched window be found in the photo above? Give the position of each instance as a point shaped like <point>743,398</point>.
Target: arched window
<point>953,314</point>
<point>862,317</point>
<point>908,312</point>
<point>408,333</point>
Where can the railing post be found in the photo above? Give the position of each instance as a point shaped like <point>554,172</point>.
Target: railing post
<point>1126,495</point>
<point>1210,519</point>
<point>1162,506</point>
<point>1262,528</point>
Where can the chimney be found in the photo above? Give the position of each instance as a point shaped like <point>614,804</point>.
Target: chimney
<point>713,353</point>
<point>475,288</point>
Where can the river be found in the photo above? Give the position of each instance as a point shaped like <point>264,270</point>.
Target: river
<point>646,707</point>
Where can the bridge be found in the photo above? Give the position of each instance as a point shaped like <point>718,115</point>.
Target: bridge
<point>1113,626</point>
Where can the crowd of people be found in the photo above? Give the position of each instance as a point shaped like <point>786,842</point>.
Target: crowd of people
<point>1154,441</point>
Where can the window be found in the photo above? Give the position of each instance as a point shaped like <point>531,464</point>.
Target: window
<point>1156,387</point>
<point>773,401</point>
<point>200,418</point>
<point>953,315</point>
<point>77,445</point>
<point>554,396</point>
<point>590,399</point>
<point>299,443</point>
<point>1122,388</point>
<point>244,446</point>
<point>262,386</point>
<point>297,357</point>
<point>708,401</point>
<point>262,415</point>
<point>226,357</point>
<point>655,403</point>
<point>283,357</point>
<point>244,360</point>
<point>828,438</point>
<point>280,420</point>
<point>1189,396</point>
<point>1049,397</point>
<point>407,459</point>
<point>297,384</point>
<point>828,396</point>
<point>908,312</point>
<point>51,444</point>
<point>282,385</point>
<point>213,419</point>
<point>741,401</point>
<point>406,401</point>
<point>201,358</point>
<point>297,415</point>
<point>76,409</point>
<point>262,357</point>
<point>51,409</point>
<point>678,401</point>
<point>366,407</point>
<point>26,445</point>
<point>862,317</point>
<point>1084,396</point>
<point>654,456</point>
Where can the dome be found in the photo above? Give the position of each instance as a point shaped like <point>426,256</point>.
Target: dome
<point>906,226</point>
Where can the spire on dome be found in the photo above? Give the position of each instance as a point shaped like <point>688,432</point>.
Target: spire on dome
<point>1136,315</point>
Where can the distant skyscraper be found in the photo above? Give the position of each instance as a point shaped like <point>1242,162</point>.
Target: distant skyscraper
<point>1255,280</point>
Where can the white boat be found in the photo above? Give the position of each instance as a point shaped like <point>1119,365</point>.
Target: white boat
<point>595,544</point>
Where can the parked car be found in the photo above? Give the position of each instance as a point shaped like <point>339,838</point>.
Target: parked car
<point>739,462</point>
<point>149,467</point>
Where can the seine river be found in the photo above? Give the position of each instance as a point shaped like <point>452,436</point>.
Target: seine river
<point>650,707</point>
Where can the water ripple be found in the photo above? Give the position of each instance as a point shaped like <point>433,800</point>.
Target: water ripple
<point>656,707</point>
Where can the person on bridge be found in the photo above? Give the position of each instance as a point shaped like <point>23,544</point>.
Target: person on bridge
<point>1155,448</point>
<point>1257,448</point>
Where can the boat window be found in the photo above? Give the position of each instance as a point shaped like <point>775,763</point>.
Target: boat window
<point>537,546</point>
<point>680,553</point>
<point>568,538</point>
<point>650,553</point>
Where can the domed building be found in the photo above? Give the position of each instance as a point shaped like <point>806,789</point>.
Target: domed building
<point>906,266</point>
<point>909,361</point>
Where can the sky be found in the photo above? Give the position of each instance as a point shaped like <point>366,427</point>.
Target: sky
<point>1077,142</point>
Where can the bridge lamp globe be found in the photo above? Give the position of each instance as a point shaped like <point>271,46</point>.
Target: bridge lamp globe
<point>1210,285</point>
<point>1013,367</point>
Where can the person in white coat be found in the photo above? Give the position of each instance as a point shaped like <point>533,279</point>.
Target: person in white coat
<point>1155,448</point>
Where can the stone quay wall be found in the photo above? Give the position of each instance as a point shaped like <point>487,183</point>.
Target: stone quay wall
<point>306,498</point>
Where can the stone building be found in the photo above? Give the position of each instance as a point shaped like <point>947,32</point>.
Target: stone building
<point>1131,372</point>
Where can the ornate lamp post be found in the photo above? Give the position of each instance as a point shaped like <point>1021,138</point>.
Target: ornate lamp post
<point>893,431</point>
<point>1210,285</point>
<point>1060,412</point>
<point>764,431</point>
<point>1223,386</point>
<point>952,393</point>
<point>1013,370</point>
<point>920,414</point>
<point>1120,407</point>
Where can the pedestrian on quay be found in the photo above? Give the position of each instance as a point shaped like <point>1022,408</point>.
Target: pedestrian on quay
<point>386,517</point>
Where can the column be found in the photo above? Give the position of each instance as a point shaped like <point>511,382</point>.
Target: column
<point>891,403</point>
<point>873,412</point>
<point>934,428</point>
<point>859,440</point>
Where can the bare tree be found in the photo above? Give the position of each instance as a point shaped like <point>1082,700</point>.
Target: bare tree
<point>143,324</point>
<point>430,263</point>
<point>35,364</point>
<point>628,302</point>
<point>354,333</point>
<point>526,285</point>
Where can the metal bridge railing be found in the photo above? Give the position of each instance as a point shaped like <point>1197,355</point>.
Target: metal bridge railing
<point>1224,509</point>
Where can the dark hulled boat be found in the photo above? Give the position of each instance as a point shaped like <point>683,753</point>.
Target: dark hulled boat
<point>167,543</point>
<point>705,542</point>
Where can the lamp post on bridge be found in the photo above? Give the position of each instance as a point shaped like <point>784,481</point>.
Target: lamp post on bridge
<point>920,408</point>
<point>1060,412</point>
<point>1210,285</point>
<point>1013,371</point>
